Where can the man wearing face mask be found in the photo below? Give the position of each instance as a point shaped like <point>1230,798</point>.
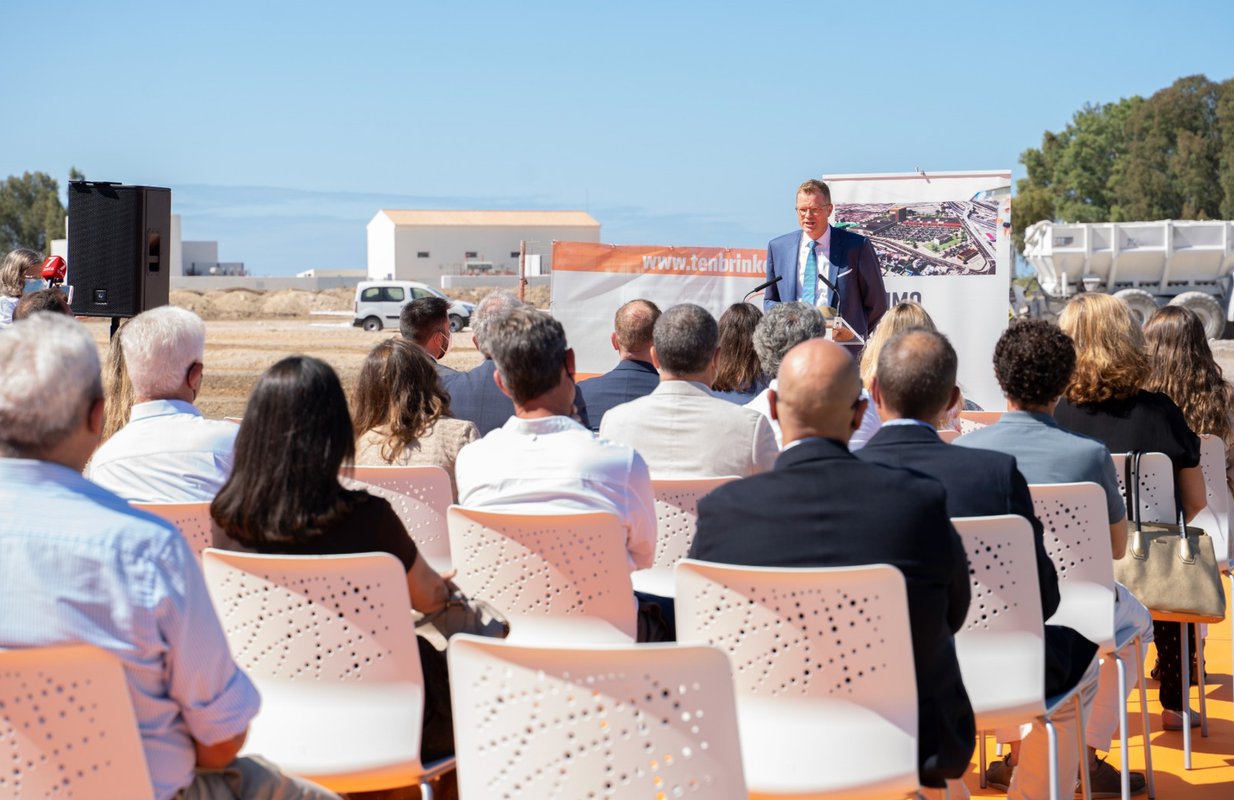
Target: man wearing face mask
<point>426,321</point>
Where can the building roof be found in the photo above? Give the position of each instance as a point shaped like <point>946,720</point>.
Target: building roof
<point>491,218</point>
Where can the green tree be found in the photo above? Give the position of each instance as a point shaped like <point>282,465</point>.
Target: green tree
<point>31,214</point>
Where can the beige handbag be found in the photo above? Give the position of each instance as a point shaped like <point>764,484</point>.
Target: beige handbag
<point>1171,569</point>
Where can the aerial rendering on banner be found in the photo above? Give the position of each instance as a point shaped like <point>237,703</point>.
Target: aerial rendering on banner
<point>948,238</point>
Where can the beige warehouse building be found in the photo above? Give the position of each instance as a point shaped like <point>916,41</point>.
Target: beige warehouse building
<point>427,245</point>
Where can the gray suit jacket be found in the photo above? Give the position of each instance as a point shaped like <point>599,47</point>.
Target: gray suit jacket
<point>682,431</point>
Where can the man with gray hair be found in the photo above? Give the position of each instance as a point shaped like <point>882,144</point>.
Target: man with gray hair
<point>474,395</point>
<point>541,459</point>
<point>784,326</point>
<point>78,565</point>
<point>681,428</point>
<point>168,452</point>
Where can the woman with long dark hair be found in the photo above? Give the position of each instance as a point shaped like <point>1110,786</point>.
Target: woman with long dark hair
<point>403,413</point>
<point>739,376</point>
<point>284,497</point>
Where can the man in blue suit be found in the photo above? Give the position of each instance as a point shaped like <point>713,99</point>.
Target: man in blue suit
<point>803,259</point>
<point>634,376</point>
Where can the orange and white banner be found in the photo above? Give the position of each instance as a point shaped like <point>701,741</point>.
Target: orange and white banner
<point>591,281</point>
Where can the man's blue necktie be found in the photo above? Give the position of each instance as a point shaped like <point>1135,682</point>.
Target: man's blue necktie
<point>809,281</point>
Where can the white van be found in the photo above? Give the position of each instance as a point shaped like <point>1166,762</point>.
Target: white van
<point>378,304</point>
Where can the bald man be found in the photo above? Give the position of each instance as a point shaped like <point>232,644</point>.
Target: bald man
<point>821,507</point>
<point>635,375</point>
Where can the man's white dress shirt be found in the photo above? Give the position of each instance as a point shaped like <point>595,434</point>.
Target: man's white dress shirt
<point>554,464</point>
<point>167,453</point>
<point>822,253</point>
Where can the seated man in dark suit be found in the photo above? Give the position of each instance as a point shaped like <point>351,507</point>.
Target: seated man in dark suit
<point>821,507</point>
<point>915,381</point>
<point>474,395</point>
<point>426,321</point>
<point>634,376</point>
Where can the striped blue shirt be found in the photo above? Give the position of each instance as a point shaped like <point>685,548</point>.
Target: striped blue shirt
<point>77,564</point>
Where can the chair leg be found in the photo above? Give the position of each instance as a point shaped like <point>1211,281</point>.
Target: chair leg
<point>1199,671</point>
<point>1144,718</point>
<point>1184,646</point>
<point>426,790</point>
<point>1052,740</point>
<point>1125,757</point>
<point>1081,724</point>
<point>981,759</point>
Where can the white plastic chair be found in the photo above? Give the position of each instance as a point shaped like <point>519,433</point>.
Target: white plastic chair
<point>676,520</point>
<point>420,496</point>
<point>1157,504</point>
<point>623,722</point>
<point>556,577</point>
<point>193,520</point>
<point>948,436</point>
<point>1002,645</point>
<point>1217,523</point>
<point>1077,537</point>
<point>823,668</point>
<point>983,418</point>
<point>67,727</point>
<point>329,641</point>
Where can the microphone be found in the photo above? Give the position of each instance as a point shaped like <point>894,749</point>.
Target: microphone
<point>54,270</point>
<point>762,286</point>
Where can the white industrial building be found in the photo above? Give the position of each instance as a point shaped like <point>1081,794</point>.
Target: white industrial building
<point>429,245</point>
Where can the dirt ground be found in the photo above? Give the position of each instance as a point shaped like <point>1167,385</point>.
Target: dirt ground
<point>247,331</point>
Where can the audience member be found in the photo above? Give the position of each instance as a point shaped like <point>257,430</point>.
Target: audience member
<point>739,375</point>
<point>13,270</point>
<point>52,300</point>
<point>474,395</point>
<point>916,382</point>
<point>168,452</point>
<point>784,327</point>
<point>117,388</point>
<point>822,507</point>
<point>634,376</point>
<point>79,565</point>
<point>1181,366</point>
<point>1106,400</point>
<point>680,428</point>
<point>403,412</point>
<point>543,459</point>
<point>284,496</point>
<point>426,321</point>
<point>1033,361</point>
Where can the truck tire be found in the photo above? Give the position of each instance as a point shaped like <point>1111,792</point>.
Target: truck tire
<point>1206,308</point>
<point>1141,303</point>
<point>372,324</point>
<point>457,323</point>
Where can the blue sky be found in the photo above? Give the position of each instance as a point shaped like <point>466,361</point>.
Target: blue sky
<point>282,127</point>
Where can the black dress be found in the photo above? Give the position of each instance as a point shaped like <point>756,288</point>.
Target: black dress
<point>1151,423</point>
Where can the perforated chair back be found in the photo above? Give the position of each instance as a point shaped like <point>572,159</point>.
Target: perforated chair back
<point>556,577</point>
<point>1002,645</point>
<point>1212,464</point>
<point>612,721</point>
<point>330,643</point>
<point>193,520</point>
<point>823,668</point>
<point>1077,537</point>
<point>420,496</point>
<point>981,417</point>
<point>67,727</point>
<point>949,436</point>
<point>1156,486</point>
<point>676,520</point>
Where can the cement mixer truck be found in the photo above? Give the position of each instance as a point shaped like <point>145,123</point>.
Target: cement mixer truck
<point>1146,264</point>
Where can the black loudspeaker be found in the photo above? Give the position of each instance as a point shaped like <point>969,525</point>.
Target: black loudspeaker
<point>119,248</point>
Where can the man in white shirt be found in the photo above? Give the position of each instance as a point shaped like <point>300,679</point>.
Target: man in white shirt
<point>541,459</point>
<point>168,452</point>
<point>681,429</point>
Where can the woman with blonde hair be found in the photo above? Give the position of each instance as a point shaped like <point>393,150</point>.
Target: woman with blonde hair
<point>404,413</point>
<point>1107,400</point>
<point>1182,367</point>
<point>900,317</point>
<point>13,280</point>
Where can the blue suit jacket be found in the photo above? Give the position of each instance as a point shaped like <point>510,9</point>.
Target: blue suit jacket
<point>854,270</point>
<point>627,381</point>
<point>474,396</point>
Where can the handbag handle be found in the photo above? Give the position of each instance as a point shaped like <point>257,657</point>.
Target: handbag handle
<point>1131,482</point>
